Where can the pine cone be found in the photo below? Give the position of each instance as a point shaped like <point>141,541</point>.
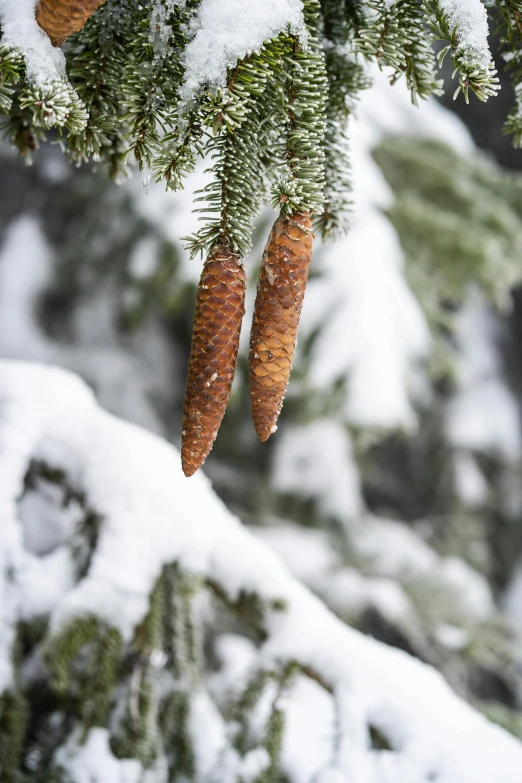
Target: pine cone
<point>280,293</point>
<point>220,306</point>
<point>62,18</point>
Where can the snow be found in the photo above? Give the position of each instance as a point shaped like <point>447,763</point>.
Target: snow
<point>207,729</point>
<point>316,460</point>
<point>225,31</point>
<point>513,599</point>
<point>451,636</point>
<point>20,31</point>
<point>306,552</point>
<point>388,548</point>
<point>254,763</point>
<point>309,556</point>
<point>469,19</point>
<point>92,761</point>
<point>144,258</point>
<point>236,656</point>
<point>483,415</point>
<point>173,217</point>
<point>392,547</point>
<point>20,287</point>
<point>124,376</point>
<point>390,565</point>
<point>307,742</point>
<point>470,484</point>
<point>159,30</point>
<point>373,331</point>
<point>472,589</point>
<point>153,515</point>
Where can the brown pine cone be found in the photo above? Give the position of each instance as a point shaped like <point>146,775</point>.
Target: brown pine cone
<point>280,293</point>
<point>220,306</point>
<point>62,18</point>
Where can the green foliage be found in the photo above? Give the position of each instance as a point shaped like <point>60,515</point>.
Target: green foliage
<point>277,130</point>
<point>231,121</point>
<point>97,62</point>
<point>87,674</point>
<point>11,72</point>
<point>300,184</point>
<point>158,699</point>
<point>459,221</point>
<point>396,38</point>
<point>346,78</point>
<point>54,106</point>
<point>91,690</point>
<point>510,27</point>
<point>13,722</point>
<point>85,536</point>
<point>508,718</point>
<point>247,737</point>
<point>152,77</point>
<point>474,74</point>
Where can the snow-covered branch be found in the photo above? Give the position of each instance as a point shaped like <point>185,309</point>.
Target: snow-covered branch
<point>152,516</point>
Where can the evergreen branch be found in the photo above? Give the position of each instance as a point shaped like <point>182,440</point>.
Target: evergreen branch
<point>396,38</point>
<point>346,78</point>
<point>154,76</point>
<point>510,12</point>
<point>300,187</point>
<point>475,67</point>
<point>97,60</point>
<point>177,158</point>
<point>231,121</point>
<point>34,108</point>
<point>513,124</point>
<point>11,73</point>
<point>54,105</point>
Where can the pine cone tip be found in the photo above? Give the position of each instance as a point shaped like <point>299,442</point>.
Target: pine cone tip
<point>191,461</point>
<point>264,432</point>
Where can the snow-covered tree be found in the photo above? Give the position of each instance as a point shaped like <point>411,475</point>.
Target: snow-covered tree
<point>146,634</point>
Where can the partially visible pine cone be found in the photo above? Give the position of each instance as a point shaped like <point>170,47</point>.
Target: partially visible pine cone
<point>280,293</point>
<point>220,306</point>
<point>62,18</point>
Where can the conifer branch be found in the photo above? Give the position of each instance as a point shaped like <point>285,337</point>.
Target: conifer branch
<point>396,37</point>
<point>300,185</point>
<point>475,68</point>
<point>346,78</point>
<point>152,80</point>
<point>230,120</point>
<point>510,13</point>
<point>98,58</point>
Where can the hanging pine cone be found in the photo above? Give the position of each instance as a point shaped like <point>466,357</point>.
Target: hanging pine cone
<point>280,293</point>
<point>62,18</point>
<point>220,306</point>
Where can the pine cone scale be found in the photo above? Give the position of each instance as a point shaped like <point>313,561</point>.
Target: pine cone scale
<point>213,356</point>
<point>280,293</point>
<point>62,18</point>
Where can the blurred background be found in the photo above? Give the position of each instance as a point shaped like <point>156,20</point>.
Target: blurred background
<point>393,485</point>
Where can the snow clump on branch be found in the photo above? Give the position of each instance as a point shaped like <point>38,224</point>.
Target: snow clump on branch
<point>150,517</point>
